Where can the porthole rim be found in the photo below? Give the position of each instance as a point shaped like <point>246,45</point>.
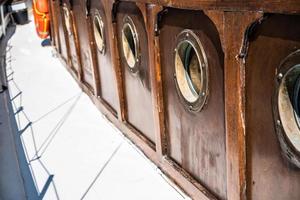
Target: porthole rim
<point>96,15</point>
<point>194,40</point>
<point>289,151</point>
<point>128,21</point>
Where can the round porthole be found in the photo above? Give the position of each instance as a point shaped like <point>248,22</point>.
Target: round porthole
<point>67,19</point>
<point>99,33</point>
<point>130,44</point>
<point>287,108</point>
<point>191,73</point>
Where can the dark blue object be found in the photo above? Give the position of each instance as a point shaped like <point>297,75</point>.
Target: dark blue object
<point>46,42</point>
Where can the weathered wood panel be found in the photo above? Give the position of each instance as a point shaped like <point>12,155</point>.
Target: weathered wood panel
<point>269,175</point>
<point>107,75</point>
<point>196,140</point>
<point>137,86</point>
<point>71,36</point>
<point>63,42</point>
<point>83,30</point>
<point>228,150</point>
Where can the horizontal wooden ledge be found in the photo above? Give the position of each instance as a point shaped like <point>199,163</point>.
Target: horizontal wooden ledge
<point>268,6</point>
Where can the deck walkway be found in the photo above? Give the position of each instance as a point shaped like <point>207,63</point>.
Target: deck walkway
<point>72,150</point>
<point>15,178</point>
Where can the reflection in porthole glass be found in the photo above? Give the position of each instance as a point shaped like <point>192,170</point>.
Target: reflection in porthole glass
<point>130,44</point>
<point>67,19</point>
<point>99,33</point>
<point>188,71</point>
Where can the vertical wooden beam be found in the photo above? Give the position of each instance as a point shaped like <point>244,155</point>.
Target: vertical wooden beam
<point>115,58</point>
<point>52,21</point>
<point>55,24</point>
<point>67,39</point>
<point>156,79</point>
<point>235,25</point>
<point>77,46</point>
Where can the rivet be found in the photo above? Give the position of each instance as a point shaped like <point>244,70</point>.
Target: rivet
<point>279,76</point>
<point>278,122</point>
<point>187,35</point>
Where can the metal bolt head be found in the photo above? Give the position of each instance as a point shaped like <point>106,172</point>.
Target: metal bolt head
<point>278,122</point>
<point>279,76</point>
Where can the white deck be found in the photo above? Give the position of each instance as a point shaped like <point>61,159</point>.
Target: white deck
<point>69,138</point>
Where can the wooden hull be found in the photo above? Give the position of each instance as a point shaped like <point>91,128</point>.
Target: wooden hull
<point>275,39</point>
<point>82,24</point>
<point>228,147</point>
<point>104,63</point>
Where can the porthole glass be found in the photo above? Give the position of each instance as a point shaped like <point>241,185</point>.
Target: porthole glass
<point>188,71</point>
<point>67,19</point>
<point>191,70</point>
<point>99,33</point>
<point>130,43</point>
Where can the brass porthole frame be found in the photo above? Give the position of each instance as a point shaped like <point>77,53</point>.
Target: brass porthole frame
<point>188,36</point>
<point>128,23</point>
<point>285,118</point>
<point>101,29</point>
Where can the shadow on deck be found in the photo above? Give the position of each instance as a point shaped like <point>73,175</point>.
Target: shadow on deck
<point>17,178</point>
